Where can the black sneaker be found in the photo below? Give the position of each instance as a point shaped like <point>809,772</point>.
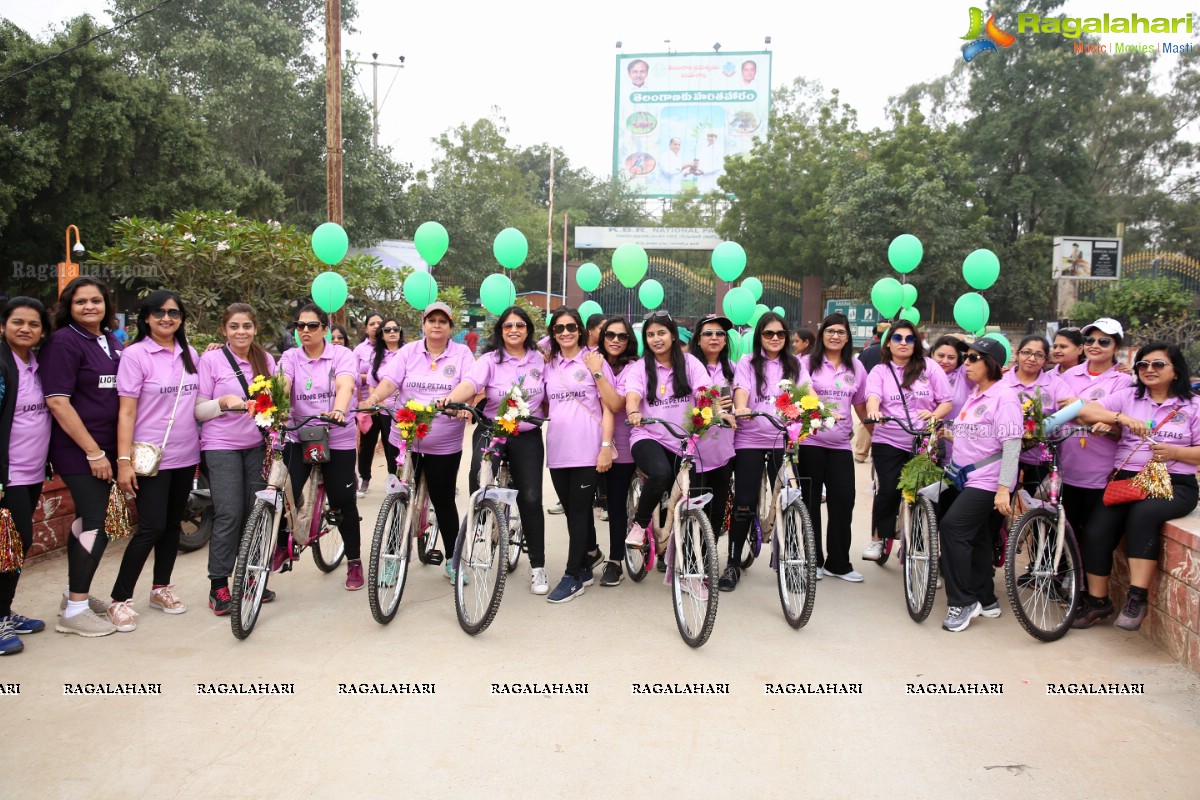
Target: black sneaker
<point>612,574</point>
<point>1090,614</point>
<point>219,601</point>
<point>660,563</point>
<point>729,578</point>
<point>595,558</point>
<point>268,595</point>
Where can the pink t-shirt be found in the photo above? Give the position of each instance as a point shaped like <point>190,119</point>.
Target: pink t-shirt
<point>372,381</point>
<point>363,352</point>
<point>228,431</point>
<point>1182,430</point>
<point>151,374</point>
<point>1053,392</point>
<point>496,380</point>
<point>847,386</point>
<point>716,446</point>
<point>576,414</point>
<point>986,421</point>
<point>961,388</point>
<point>756,432</point>
<point>621,431</point>
<point>673,409</point>
<point>314,388</point>
<point>1086,460</point>
<point>29,439</point>
<point>926,393</point>
<point>420,376</point>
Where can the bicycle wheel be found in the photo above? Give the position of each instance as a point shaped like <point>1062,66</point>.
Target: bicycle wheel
<point>252,568</point>
<point>329,549</point>
<point>694,579</point>
<point>391,549</point>
<point>516,541</point>
<point>922,549</point>
<point>479,579</point>
<point>1045,595</point>
<point>427,528</point>
<point>637,559</point>
<point>796,570</point>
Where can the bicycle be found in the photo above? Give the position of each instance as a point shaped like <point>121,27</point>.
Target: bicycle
<point>257,549</point>
<point>479,554</point>
<point>920,546</point>
<point>1043,571</point>
<point>681,518</point>
<point>760,531</point>
<point>794,554</point>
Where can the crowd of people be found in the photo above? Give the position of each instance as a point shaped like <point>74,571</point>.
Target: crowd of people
<point>76,401</point>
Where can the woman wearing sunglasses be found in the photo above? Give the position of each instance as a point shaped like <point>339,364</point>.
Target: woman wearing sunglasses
<point>756,385</point>
<point>1030,383</point>
<point>1066,351</point>
<point>620,352</point>
<point>987,440</point>
<point>825,457</point>
<point>1160,420</point>
<point>364,354</point>
<point>580,397</point>
<point>913,388</point>
<point>714,465</point>
<point>514,360</point>
<point>388,342</point>
<point>1085,461</point>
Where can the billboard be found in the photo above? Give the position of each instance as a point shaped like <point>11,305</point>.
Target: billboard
<point>589,238</point>
<point>1086,258</point>
<point>679,115</point>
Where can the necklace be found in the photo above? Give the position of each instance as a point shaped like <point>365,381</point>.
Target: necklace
<point>434,357</point>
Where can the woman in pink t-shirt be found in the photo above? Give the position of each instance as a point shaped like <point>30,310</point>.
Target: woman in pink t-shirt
<point>1066,351</point>
<point>388,341</point>
<point>619,348</point>
<point>24,445</point>
<point>714,464</point>
<point>948,351</point>
<point>364,351</point>
<point>1028,380</point>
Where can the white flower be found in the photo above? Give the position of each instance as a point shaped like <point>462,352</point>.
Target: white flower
<point>262,420</point>
<point>189,237</point>
<point>830,423</point>
<point>785,384</point>
<point>222,246</point>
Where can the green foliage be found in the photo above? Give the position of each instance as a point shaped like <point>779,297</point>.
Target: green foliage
<point>1136,302</point>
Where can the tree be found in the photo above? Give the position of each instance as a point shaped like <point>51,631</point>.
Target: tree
<point>1136,302</point>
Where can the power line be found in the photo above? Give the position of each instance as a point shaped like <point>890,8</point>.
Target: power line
<point>86,42</point>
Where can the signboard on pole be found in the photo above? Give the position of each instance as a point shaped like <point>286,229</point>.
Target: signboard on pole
<point>862,316</point>
<point>649,238</point>
<point>1087,258</point>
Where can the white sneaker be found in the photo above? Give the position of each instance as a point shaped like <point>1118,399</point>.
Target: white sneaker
<point>852,576</point>
<point>604,515</point>
<point>636,536</point>
<point>820,573</point>
<point>873,551</point>
<point>556,509</point>
<point>363,486</point>
<point>539,584</point>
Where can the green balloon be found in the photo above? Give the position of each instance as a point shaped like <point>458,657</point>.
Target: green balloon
<point>329,243</point>
<point>905,252</point>
<point>588,277</point>
<point>587,308</point>
<point>728,261</point>
<point>759,310</point>
<point>1002,339</point>
<point>329,291</point>
<point>651,294</point>
<point>432,241</point>
<point>629,263</point>
<point>779,310</point>
<point>296,334</point>
<point>981,269</point>
<point>497,293</point>
<point>908,295</point>
<point>420,289</point>
<point>738,305</point>
<point>887,296</point>
<point>755,286</point>
<point>971,311</point>
<point>911,314</point>
<point>510,248</point>
<point>748,342</point>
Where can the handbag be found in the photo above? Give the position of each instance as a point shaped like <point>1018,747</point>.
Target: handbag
<point>1130,490</point>
<point>116,515</point>
<point>314,444</point>
<point>146,456</point>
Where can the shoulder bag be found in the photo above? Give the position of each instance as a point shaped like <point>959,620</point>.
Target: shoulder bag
<point>1130,490</point>
<point>146,456</point>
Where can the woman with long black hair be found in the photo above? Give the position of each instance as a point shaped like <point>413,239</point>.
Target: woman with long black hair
<point>388,341</point>
<point>714,462</point>
<point>364,353</point>
<point>619,348</point>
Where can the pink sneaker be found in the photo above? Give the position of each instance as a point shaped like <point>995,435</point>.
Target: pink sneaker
<point>122,616</point>
<point>636,536</point>
<point>164,599</point>
<point>354,575</point>
<point>283,556</point>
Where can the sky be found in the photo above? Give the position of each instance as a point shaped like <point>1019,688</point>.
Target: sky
<point>549,66</point>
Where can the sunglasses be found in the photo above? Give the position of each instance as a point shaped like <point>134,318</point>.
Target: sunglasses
<point>713,334</point>
<point>836,334</point>
<point>774,334</point>
<point>1157,365</point>
<point>308,326</point>
<point>513,326</point>
<point>1102,341</point>
<point>657,315</point>
<point>1034,354</point>
<point>173,313</point>
<point>613,336</point>
<point>393,329</point>
<point>901,339</point>
<point>566,327</point>
<point>973,357</point>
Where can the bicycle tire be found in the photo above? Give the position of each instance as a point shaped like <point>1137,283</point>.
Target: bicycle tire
<point>637,559</point>
<point>1044,600</point>
<point>391,549</point>
<point>252,569</point>
<point>920,564</point>
<point>796,566</point>
<point>477,593</point>
<point>427,533</point>
<point>328,549</point>
<point>516,542</point>
<point>694,615</point>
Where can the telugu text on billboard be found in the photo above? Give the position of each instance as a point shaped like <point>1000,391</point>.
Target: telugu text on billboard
<point>679,115</point>
<point>589,238</point>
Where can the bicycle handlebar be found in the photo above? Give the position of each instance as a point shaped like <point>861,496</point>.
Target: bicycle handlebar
<point>479,416</point>
<point>769,417</point>
<point>671,427</point>
<point>904,425</point>
<point>305,420</point>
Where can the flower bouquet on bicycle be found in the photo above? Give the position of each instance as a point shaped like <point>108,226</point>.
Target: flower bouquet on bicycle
<point>515,408</point>
<point>925,467</point>
<point>270,403</point>
<point>412,425</point>
<point>1034,435</point>
<point>803,411</point>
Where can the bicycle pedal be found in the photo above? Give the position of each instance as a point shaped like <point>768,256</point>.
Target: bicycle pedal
<point>435,557</point>
<point>333,517</point>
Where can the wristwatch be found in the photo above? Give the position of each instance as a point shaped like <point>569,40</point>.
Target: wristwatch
<point>597,374</point>
<point>606,444</point>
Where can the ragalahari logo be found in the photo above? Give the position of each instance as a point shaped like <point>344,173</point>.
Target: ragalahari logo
<point>984,37</point>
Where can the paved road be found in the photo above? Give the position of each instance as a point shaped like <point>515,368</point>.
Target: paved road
<point>467,741</point>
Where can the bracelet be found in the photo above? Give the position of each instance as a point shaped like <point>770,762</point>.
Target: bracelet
<point>125,458</point>
<point>96,457</point>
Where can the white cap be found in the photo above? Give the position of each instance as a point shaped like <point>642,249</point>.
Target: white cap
<point>1105,325</point>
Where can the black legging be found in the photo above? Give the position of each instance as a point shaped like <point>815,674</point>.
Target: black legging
<point>366,446</point>
<point>619,479</point>
<point>338,474</point>
<point>576,487</point>
<point>660,467</point>
<point>90,496</point>
<point>1139,522</point>
<point>888,463</point>
<point>824,468</point>
<point>20,502</point>
<point>526,457</point>
<point>1079,504</point>
<point>966,534</point>
<point>747,479</point>
<point>161,503</point>
<point>441,478</point>
<point>715,481</point>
